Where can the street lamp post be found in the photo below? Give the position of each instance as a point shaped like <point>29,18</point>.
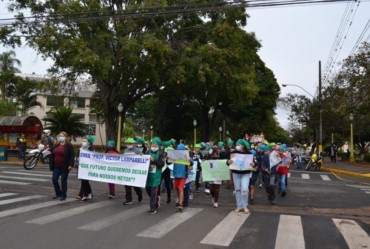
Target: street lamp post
<point>220,129</point>
<point>144,134</point>
<point>120,109</point>
<point>351,156</point>
<point>151,132</point>
<point>320,111</point>
<point>195,131</point>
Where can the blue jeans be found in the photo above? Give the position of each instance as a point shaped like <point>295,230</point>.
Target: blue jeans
<point>241,184</point>
<point>152,193</point>
<point>57,172</point>
<point>187,193</point>
<point>299,162</point>
<point>282,183</point>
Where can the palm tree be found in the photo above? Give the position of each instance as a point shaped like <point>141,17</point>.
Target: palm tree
<point>25,94</point>
<point>63,120</point>
<point>8,68</point>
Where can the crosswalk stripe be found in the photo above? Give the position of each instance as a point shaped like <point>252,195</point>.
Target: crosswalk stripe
<point>68,213</point>
<point>14,183</point>
<point>367,192</point>
<point>19,199</point>
<point>7,194</point>
<point>289,174</point>
<point>162,228</point>
<point>354,235</point>
<point>26,174</point>
<point>290,233</point>
<point>113,219</point>
<point>28,208</point>
<point>305,176</point>
<point>325,177</point>
<point>24,178</point>
<point>224,232</point>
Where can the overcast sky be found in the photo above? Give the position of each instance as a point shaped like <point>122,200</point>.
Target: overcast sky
<point>293,41</point>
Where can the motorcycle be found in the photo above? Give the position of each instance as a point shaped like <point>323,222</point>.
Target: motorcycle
<point>315,161</point>
<point>33,156</point>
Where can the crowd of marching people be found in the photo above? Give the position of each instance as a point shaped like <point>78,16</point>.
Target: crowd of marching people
<point>268,169</point>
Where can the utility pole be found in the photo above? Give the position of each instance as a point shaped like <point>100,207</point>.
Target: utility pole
<point>320,106</point>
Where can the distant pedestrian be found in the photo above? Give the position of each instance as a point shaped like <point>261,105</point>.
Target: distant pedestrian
<point>61,162</point>
<point>22,146</point>
<point>111,149</point>
<point>333,153</point>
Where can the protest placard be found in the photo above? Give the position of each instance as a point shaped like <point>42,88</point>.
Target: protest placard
<point>131,170</point>
<point>179,156</point>
<point>274,158</point>
<point>215,170</point>
<point>241,162</point>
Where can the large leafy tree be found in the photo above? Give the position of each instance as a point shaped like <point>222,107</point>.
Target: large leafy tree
<point>62,119</point>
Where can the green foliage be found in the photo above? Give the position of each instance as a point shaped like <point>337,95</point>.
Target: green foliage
<point>63,120</point>
<point>7,108</point>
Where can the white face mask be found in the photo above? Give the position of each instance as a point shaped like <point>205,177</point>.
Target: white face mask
<point>210,151</point>
<point>238,148</point>
<point>84,145</point>
<point>139,145</point>
<point>154,149</point>
<point>130,146</point>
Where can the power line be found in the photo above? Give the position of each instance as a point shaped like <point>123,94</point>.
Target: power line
<point>356,46</point>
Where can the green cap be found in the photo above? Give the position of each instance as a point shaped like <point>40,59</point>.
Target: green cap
<point>130,140</point>
<point>244,143</point>
<point>230,143</point>
<point>197,146</point>
<point>168,148</point>
<point>140,140</point>
<point>156,140</point>
<point>90,139</point>
<point>111,142</point>
<point>168,143</point>
<point>208,147</point>
<point>220,144</point>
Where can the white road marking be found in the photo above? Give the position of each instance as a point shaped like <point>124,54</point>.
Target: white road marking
<point>306,176</point>
<point>68,213</point>
<point>28,208</point>
<point>19,199</point>
<point>114,219</point>
<point>290,233</point>
<point>27,174</point>
<point>224,232</point>
<point>7,194</point>
<point>325,177</point>
<point>14,183</point>
<point>289,175</point>
<point>354,235</point>
<point>165,226</point>
<point>25,178</point>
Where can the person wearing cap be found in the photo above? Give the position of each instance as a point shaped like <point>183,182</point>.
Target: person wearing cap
<point>85,189</point>
<point>154,175</point>
<point>48,140</point>
<point>180,173</point>
<point>166,175</point>
<point>61,162</point>
<point>214,186</point>
<point>241,177</point>
<point>131,149</point>
<point>282,169</point>
<point>140,144</point>
<point>111,149</point>
<point>230,149</point>
<point>208,151</point>
<point>197,157</point>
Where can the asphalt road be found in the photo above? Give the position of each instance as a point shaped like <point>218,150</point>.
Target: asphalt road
<point>321,210</point>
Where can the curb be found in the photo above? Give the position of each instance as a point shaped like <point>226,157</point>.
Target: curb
<point>345,172</point>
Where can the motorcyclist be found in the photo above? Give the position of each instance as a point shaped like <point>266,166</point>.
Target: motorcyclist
<point>47,140</point>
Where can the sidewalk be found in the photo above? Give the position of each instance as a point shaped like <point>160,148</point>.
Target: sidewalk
<point>345,167</point>
<point>341,167</point>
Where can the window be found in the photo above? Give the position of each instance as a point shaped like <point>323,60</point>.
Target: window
<point>77,103</point>
<point>80,116</point>
<point>90,129</point>
<point>54,101</point>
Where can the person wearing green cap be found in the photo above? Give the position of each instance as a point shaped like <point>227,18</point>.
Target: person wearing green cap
<point>268,174</point>
<point>140,144</point>
<point>111,149</point>
<point>85,189</point>
<point>241,177</point>
<point>197,157</point>
<point>131,149</point>
<point>166,175</point>
<point>154,175</point>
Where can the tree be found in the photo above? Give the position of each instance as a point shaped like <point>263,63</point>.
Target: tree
<point>24,92</point>
<point>8,68</point>
<point>63,120</point>
<point>7,108</point>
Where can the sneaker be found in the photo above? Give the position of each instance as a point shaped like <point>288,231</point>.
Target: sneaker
<point>111,196</point>
<point>283,193</point>
<point>140,198</point>
<point>62,198</point>
<point>159,201</point>
<point>273,202</point>
<point>168,201</point>
<point>246,210</point>
<point>261,185</point>
<point>251,201</point>
<point>84,198</point>
<point>207,191</point>
<point>197,190</point>
<point>237,210</point>
<point>190,197</point>
<point>56,197</point>
<point>152,211</point>
<point>127,203</point>
<point>215,205</point>
<point>90,196</point>
<point>179,208</point>
<point>78,197</point>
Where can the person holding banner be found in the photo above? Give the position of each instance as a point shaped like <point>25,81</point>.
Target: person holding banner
<point>131,149</point>
<point>166,175</point>
<point>61,162</point>
<point>85,189</point>
<point>241,165</point>
<point>111,149</point>
<point>180,173</point>
<point>214,186</point>
<point>197,157</point>
<point>154,175</point>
